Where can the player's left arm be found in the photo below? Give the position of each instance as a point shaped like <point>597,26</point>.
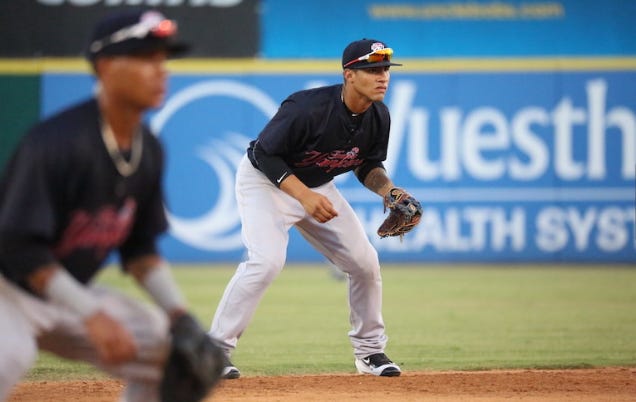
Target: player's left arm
<point>375,179</point>
<point>154,275</point>
<point>405,210</point>
<point>195,362</point>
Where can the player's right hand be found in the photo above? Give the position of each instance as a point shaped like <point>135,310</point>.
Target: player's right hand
<point>114,344</point>
<point>315,204</point>
<point>318,206</point>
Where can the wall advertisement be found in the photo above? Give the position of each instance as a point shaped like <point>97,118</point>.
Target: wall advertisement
<point>59,28</point>
<point>520,167</point>
<point>458,28</point>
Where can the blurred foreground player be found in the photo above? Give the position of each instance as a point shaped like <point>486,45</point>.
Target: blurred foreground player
<point>81,184</point>
<point>286,179</point>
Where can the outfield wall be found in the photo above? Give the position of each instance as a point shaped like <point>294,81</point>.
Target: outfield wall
<point>511,164</point>
<point>514,121</point>
<point>19,108</point>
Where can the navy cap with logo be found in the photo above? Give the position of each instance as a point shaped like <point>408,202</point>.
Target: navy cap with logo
<point>367,53</point>
<point>133,32</point>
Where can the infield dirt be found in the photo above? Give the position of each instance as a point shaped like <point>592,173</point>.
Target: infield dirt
<point>581,385</point>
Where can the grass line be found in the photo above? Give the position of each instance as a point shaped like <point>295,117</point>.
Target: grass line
<point>437,318</point>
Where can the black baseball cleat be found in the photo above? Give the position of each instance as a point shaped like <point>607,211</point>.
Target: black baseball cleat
<point>378,364</point>
<point>230,372</point>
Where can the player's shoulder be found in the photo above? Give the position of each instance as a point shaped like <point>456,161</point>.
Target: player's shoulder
<point>323,91</point>
<point>315,95</point>
<point>381,107</point>
<point>55,133</point>
<point>381,110</point>
<point>310,101</point>
<point>82,115</point>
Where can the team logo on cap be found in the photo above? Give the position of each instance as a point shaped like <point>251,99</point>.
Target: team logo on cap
<point>377,46</point>
<point>152,17</point>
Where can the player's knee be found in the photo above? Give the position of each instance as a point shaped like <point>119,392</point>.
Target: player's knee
<point>266,268</point>
<point>151,334</point>
<point>158,323</point>
<point>157,326</point>
<point>364,264</point>
<point>367,260</point>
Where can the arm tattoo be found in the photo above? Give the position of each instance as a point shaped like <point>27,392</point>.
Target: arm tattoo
<point>378,182</point>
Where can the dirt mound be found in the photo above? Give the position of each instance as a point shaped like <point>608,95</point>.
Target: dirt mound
<point>606,384</point>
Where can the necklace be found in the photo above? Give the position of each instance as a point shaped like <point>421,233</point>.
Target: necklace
<point>345,105</point>
<point>124,167</point>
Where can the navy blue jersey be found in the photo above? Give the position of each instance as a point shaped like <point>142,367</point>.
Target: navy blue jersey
<point>62,199</point>
<point>315,137</point>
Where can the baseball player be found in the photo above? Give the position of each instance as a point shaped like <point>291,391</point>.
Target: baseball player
<point>286,179</point>
<point>83,183</point>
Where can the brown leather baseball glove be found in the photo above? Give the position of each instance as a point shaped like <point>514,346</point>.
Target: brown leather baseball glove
<point>405,213</point>
<point>195,363</point>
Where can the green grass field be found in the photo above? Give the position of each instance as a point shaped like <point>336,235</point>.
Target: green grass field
<point>437,318</point>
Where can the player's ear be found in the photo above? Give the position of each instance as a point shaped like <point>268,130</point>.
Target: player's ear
<point>98,65</point>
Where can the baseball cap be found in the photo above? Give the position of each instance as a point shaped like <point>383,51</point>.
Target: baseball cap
<point>367,53</point>
<point>134,31</point>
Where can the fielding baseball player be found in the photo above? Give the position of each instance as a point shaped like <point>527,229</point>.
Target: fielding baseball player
<point>83,183</point>
<point>286,179</point>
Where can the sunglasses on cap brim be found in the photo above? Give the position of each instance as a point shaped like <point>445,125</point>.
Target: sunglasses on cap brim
<point>373,57</point>
<point>158,28</point>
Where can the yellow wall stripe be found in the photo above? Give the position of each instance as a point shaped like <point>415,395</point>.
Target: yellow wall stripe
<point>304,66</point>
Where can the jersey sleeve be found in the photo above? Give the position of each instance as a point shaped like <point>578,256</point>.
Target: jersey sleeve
<point>378,153</point>
<point>278,135</point>
<point>276,140</point>
<point>27,210</point>
<point>273,166</point>
<point>363,171</point>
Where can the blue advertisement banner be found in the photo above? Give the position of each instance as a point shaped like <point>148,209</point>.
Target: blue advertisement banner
<point>518,166</point>
<point>451,28</point>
